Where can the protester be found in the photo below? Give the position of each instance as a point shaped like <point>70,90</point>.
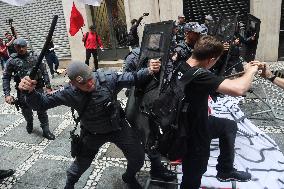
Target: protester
<point>133,38</point>
<point>92,41</point>
<point>206,52</point>
<point>9,43</point>
<point>3,53</point>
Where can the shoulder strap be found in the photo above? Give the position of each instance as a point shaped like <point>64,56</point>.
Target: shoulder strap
<point>102,80</point>
<point>97,39</point>
<point>77,119</point>
<point>86,37</point>
<point>189,75</point>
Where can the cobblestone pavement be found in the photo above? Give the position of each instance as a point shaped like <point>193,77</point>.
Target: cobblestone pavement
<point>40,163</point>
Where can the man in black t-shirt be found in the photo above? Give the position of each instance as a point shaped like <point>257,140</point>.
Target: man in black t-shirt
<point>206,52</point>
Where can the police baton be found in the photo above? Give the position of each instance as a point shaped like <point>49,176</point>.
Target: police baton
<point>33,73</point>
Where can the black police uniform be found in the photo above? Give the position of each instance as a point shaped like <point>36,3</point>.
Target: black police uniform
<point>157,170</point>
<point>20,66</point>
<point>184,51</point>
<point>180,32</point>
<point>131,60</point>
<point>102,121</point>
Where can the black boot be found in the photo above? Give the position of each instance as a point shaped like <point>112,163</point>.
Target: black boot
<point>29,127</point>
<point>131,181</point>
<point>6,173</point>
<point>69,186</point>
<point>46,132</point>
<point>162,173</point>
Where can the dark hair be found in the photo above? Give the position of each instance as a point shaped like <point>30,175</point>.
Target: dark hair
<point>133,21</point>
<point>207,47</point>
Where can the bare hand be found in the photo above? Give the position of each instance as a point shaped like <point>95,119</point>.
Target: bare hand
<point>266,72</point>
<point>9,99</point>
<point>251,67</point>
<point>27,84</point>
<point>154,65</point>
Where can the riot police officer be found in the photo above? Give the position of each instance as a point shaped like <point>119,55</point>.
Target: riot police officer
<point>192,32</point>
<point>103,119</point>
<point>20,64</point>
<point>180,28</point>
<point>158,171</point>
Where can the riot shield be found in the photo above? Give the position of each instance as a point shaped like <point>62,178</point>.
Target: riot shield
<point>226,29</point>
<point>225,32</point>
<point>155,44</point>
<point>250,38</point>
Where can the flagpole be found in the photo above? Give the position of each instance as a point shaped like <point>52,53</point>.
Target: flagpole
<point>82,31</point>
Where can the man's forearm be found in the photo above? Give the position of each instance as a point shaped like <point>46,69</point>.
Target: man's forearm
<point>243,83</point>
<point>279,82</point>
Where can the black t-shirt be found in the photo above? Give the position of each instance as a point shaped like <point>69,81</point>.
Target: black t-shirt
<point>196,93</point>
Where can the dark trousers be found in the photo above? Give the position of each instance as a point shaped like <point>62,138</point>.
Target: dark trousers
<point>194,164</point>
<point>126,139</point>
<point>28,113</point>
<point>93,52</point>
<point>51,59</point>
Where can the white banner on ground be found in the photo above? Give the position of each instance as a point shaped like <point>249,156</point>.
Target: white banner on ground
<point>256,152</point>
<point>17,2</point>
<point>91,2</point>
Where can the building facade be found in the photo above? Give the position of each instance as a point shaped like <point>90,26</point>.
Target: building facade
<point>113,18</point>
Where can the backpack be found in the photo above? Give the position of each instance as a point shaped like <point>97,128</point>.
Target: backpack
<point>85,40</point>
<point>167,116</point>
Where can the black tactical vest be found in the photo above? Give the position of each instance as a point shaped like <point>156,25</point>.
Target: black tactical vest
<point>103,113</point>
<point>24,65</point>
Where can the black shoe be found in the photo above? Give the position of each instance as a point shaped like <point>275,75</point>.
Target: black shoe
<point>52,76</point>
<point>162,173</point>
<point>29,128</point>
<point>234,175</point>
<point>6,173</point>
<point>48,135</point>
<point>132,182</point>
<point>69,186</point>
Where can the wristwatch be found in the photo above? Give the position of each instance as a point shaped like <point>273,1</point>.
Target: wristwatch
<point>272,78</point>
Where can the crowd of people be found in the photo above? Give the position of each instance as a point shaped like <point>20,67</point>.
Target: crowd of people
<point>94,95</point>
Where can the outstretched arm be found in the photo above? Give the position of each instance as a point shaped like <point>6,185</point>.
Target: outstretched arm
<point>39,101</point>
<point>267,74</point>
<point>241,85</point>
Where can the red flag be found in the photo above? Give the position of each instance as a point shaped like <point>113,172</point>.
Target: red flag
<point>76,20</point>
